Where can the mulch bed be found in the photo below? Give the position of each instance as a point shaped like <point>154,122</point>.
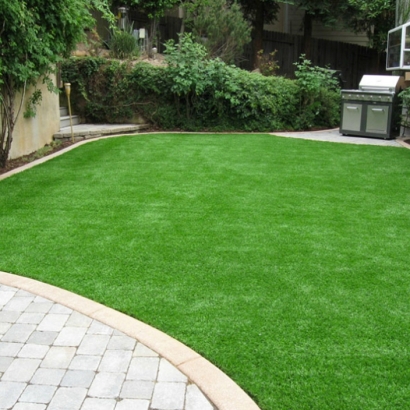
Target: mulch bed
<point>19,162</point>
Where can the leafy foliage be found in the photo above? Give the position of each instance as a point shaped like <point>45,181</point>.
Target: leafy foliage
<point>267,63</point>
<point>259,12</point>
<point>101,86</point>
<point>194,92</point>
<point>34,36</point>
<point>123,44</point>
<point>319,94</point>
<point>197,93</point>
<point>405,100</point>
<point>221,26</point>
<point>374,18</point>
<point>186,66</point>
<point>154,8</point>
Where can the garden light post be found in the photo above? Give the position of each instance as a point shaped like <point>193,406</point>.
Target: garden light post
<point>67,87</point>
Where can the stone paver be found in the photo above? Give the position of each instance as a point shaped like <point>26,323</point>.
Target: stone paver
<point>334,135</point>
<point>55,358</point>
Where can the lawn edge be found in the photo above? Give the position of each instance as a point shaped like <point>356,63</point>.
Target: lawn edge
<point>221,390</point>
<point>296,134</point>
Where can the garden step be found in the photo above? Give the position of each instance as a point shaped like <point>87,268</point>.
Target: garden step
<point>63,111</point>
<point>65,120</point>
<point>88,131</point>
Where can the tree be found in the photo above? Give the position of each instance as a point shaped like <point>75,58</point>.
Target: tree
<point>259,12</point>
<point>34,34</point>
<point>326,11</point>
<point>220,26</point>
<point>375,18</point>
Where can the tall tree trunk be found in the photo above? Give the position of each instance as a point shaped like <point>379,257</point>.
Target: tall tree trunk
<point>258,32</point>
<point>153,37</point>
<point>8,115</point>
<point>7,119</point>
<point>307,35</point>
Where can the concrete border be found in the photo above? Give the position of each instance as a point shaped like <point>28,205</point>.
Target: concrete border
<point>222,391</point>
<point>321,136</point>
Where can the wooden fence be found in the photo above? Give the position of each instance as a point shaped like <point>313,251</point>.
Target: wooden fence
<point>351,60</point>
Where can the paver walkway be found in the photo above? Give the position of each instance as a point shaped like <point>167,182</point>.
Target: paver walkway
<point>52,357</point>
<point>334,135</point>
<point>80,355</point>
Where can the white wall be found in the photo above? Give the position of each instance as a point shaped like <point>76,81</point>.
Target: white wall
<point>31,134</point>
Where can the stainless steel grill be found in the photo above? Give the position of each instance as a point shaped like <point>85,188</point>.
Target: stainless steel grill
<point>372,110</point>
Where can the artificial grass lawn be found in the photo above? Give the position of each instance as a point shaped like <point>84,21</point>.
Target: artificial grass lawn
<point>284,262</point>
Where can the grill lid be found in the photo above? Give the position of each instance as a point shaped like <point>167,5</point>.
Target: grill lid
<point>390,83</point>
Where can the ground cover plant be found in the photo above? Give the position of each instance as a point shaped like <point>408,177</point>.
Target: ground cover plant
<point>284,262</point>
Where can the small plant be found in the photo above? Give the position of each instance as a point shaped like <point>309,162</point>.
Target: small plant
<point>312,79</point>
<point>123,44</point>
<point>405,99</point>
<point>186,65</point>
<point>267,64</point>
<point>42,152</point>
<point>319,94</point>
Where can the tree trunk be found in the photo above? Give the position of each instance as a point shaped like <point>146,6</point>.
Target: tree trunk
<point>153,38</point>
<point>258,32</point>
<point>307,35</point>
<point>7,120</point>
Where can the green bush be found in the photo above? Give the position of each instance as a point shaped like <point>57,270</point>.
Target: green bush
<point>195,93</point>
<point>319,95</point>
<point>123,44</point>
<point>99,89</point>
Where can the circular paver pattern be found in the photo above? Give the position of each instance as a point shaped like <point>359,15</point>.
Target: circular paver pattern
<point>61,351</point>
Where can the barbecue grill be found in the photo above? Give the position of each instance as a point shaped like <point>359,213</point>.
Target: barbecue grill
<point>372,110</point>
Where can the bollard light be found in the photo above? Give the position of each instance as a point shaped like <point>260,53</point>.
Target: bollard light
<point>67,87</point>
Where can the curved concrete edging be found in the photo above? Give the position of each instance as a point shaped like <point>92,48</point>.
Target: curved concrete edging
<point>296,134</point>
<point>222,391</point>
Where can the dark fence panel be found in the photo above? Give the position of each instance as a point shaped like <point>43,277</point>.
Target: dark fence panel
<point>351,60</point>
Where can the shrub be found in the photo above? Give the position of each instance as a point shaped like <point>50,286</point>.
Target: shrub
<point>267,63</point>
<point>123,44</point>
<point>195,93</point>
<point>319,95</point>
<point>221,26</point>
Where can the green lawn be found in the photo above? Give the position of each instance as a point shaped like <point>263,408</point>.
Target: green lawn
<point>284,262</point>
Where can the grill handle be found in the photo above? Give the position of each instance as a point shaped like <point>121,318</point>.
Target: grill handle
<point>374,89</point>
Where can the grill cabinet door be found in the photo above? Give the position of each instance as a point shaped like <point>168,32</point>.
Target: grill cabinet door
<point>377,119</point>
<point>352,116</point>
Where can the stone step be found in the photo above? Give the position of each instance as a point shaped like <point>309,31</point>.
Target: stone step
<point>88,131</point>
<point>65,120</point>
<point>63,111</point>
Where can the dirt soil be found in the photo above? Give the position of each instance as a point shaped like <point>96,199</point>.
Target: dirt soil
<point>26,159</point>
